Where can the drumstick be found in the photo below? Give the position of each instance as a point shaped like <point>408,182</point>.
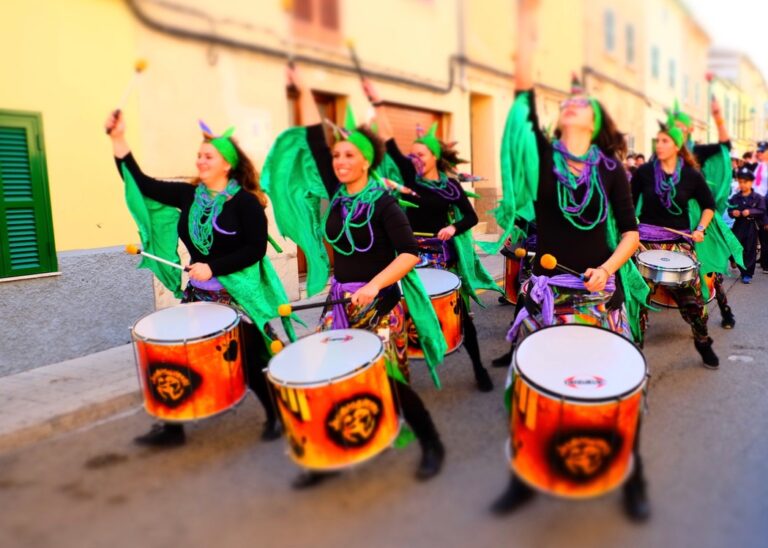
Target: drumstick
<point>549,262</point>
<point>138,68</point>
<point>678,232</point>
<point>402,189</point>
<point>424,234</point>
<point>287,308</point>
<point>135,250</point>
<point>288,20</point>
<point>356,62</point>
<point>276,346</point>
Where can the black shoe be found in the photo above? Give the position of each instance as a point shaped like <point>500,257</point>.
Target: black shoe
<point>432,457</point>
<point>502,361</point>
<point>310,478</point>
<point>163,435</point>
<point>728,320</point>
<point>710,359</point>
<point>272,430</point>
<point>504,301</point>
<point>516,495</point>
<point>483,379</point>
<point>636,504</point>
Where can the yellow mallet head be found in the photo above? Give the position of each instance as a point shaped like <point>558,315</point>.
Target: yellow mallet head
<point>520,252</point>
<point>133,249</point>
<point>275,347</point>
<point>140,65</point>
<point>548,261</point>
<point>284,310</point>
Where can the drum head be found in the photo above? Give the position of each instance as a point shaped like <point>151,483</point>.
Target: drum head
<point>324,357</point>
<point>580,362</point>
<point>185,322</point>
<point>438,282</point>
<point>670,260</point>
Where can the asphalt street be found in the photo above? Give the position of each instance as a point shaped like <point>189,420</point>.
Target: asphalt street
<point>705,445</point>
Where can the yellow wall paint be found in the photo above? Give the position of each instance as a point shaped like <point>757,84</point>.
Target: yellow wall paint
<point>70,62</point>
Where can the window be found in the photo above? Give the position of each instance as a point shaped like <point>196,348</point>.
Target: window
<point>317,20</point>
<point>672,73</point>
<point>610,35</point>
<point>630,45</point>
<point>655,62</point>
<point>26,229</point>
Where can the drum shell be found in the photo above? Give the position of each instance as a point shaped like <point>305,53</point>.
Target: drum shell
<point>448,309</point>
<point>188,380</point>
<point>511,279</point>
<point>314,414</point>
<point>545,427</point>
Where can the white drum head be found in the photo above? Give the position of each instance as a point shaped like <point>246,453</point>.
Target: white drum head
<point>438,282</point>
<point>325,356</point>
<point>185,322</point>
<point>580,362</point>
<point>663,259</point>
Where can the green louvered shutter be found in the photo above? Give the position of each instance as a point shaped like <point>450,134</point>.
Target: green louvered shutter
<point>26,230</point>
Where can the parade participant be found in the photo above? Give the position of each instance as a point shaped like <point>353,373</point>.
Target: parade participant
<point>373,249</point>
<point>715,164</point>
<point>220,219</point>
<point>444,211</point>
<point>760,186</point>
<point>662,189</point>
<point>748,209</point>
<point>576,190</point>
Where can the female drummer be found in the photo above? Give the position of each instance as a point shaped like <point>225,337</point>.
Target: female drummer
<point>444,212</point>
<point>223,226</point>
<point>579,192</point>
<point>373,249</point>
<point>662,189</point>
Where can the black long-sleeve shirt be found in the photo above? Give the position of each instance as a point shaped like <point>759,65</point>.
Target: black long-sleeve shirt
<point>571,246</point>
<point>392,234</point>
<point>705,152</point>
<point>241,214</point>
<point>690,186</point>
<point>432,214</point>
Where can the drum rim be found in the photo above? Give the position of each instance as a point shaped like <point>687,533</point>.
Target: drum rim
<point>332,380</point>
<point>175,342</point>
<point>695,266</point>
<point>546,392</point>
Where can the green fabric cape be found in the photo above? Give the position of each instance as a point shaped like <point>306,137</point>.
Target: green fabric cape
<point>256,289</point>
<point>520,182</point>
<point>292,181</point>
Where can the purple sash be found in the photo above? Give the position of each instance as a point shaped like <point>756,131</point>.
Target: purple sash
<point>209,285</point>
<point>340,320</point>
<point>653,233</point>
<point>540,292</point>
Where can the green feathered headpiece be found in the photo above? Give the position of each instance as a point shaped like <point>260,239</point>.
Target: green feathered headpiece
<point>674,132</point>
<point>430,140</point>
<point>223,143</point>
<point>677,115</point>
<point>357,138</point>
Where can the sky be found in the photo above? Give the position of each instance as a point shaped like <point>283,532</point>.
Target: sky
<point>736,24</point>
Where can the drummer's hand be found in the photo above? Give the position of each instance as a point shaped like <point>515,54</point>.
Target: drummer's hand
<point>595,279</point>
<point>365,295</point>
<point>446,233</point>
<point>736,213</point>
<point>115,125</point>
<point>200,272</point>
<point>697,236</point>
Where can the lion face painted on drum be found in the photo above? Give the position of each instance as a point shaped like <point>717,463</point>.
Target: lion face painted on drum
<point>353,422</point>
<point>582,456</point>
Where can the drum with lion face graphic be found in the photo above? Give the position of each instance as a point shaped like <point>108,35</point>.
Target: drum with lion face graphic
<point>189,361</point>
<point>335,398</point>
<point>577,393</point>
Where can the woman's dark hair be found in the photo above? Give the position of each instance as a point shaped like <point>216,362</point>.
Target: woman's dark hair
<point>378,146</point>
<point>449,158</point>
<point>610,140</point>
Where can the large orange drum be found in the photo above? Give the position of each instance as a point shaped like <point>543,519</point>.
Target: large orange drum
<point>575,408</point>
<point>335,399</point>
<point>443,288</point>
<point>662,297</point>
<point>190,361</point>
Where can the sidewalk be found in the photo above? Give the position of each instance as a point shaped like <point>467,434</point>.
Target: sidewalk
<point>62,397</point>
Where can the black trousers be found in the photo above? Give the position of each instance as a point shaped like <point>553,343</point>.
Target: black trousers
<point>414,412</point>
